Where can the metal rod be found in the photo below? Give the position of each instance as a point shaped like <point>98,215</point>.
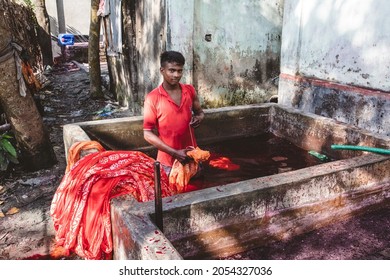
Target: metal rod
<point>157,196</point>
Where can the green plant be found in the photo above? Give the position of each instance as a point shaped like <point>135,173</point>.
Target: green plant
<point>7,152</point>
<point>29,3</point>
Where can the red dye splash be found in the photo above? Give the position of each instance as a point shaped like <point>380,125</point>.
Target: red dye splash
<point>190,188</point>
<point>58,253</point>
<point>224,163</point>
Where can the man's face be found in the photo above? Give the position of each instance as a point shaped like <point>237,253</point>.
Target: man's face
<point>172,73</point>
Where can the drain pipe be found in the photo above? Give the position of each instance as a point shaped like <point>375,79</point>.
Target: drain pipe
<point>361,148</point>
<point>157,196</point>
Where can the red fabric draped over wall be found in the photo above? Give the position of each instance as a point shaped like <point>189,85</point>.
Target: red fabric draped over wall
<point>80,208</point>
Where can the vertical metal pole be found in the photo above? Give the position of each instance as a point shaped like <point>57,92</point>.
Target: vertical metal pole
<point>61,16</point>
<point>157,196</point>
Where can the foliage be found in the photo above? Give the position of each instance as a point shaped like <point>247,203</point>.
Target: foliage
<point>7,152</point>
<point>29,3</point>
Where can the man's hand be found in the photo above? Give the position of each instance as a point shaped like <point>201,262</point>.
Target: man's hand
<point>181,155</point>
<point>195,121</point>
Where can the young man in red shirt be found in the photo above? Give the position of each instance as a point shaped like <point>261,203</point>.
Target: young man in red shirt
<point>171,112</point>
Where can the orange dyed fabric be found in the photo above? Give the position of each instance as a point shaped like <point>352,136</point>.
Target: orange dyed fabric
<point>77,148</point>
<point>80,207</point>
<point>29,76</point>
<point>181,174</point>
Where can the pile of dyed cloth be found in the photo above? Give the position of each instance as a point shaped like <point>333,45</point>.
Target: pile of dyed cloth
<point>80,207</point>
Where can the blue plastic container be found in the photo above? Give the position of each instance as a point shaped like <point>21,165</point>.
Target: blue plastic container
<point>65,39</point>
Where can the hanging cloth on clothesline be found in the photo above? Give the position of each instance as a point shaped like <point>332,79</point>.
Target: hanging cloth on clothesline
<point>13,49</point>
<point>111,13</point>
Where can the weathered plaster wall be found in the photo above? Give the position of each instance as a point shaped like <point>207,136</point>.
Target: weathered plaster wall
<point>335,62</point>
<point>346,41</point>
<point>238,66</point>
<point>236,50</point>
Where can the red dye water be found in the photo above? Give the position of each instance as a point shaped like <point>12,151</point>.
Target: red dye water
<point>247,158</point>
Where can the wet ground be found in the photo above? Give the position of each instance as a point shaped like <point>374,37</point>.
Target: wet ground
<point>366,237</point>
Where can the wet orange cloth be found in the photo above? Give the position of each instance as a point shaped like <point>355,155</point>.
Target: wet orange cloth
<point>80,207</point>
<point>198,155</point>
<point>181,174</point>
<point>76,149</point>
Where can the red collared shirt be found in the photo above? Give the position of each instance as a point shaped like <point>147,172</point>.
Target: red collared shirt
<point>171,121</point>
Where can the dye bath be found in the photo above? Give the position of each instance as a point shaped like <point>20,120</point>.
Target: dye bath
<point>255,156</point>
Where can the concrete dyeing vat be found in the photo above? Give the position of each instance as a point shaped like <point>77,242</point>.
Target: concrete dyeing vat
<point>221,221</point>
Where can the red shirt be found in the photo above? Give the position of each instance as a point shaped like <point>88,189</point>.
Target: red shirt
<point>171,121</point>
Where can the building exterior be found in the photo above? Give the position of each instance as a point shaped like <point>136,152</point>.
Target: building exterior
<point>335,63</point>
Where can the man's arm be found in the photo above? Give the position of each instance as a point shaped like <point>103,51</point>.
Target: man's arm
<point>154,140</point>
<point>198,113</point>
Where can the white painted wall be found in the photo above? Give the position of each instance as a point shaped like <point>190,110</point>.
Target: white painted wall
<point>77,16</point>
<point>345,41</point>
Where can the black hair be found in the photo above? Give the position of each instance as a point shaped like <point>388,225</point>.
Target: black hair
<point>170,57</point>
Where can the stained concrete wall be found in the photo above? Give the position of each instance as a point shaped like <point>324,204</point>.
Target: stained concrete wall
<point>232,48</point>
<point>335,60</point>
<point>236,50</point>
<point>239,65</point>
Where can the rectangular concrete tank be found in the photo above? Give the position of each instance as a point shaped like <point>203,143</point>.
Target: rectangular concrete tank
<point>221,221</point>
